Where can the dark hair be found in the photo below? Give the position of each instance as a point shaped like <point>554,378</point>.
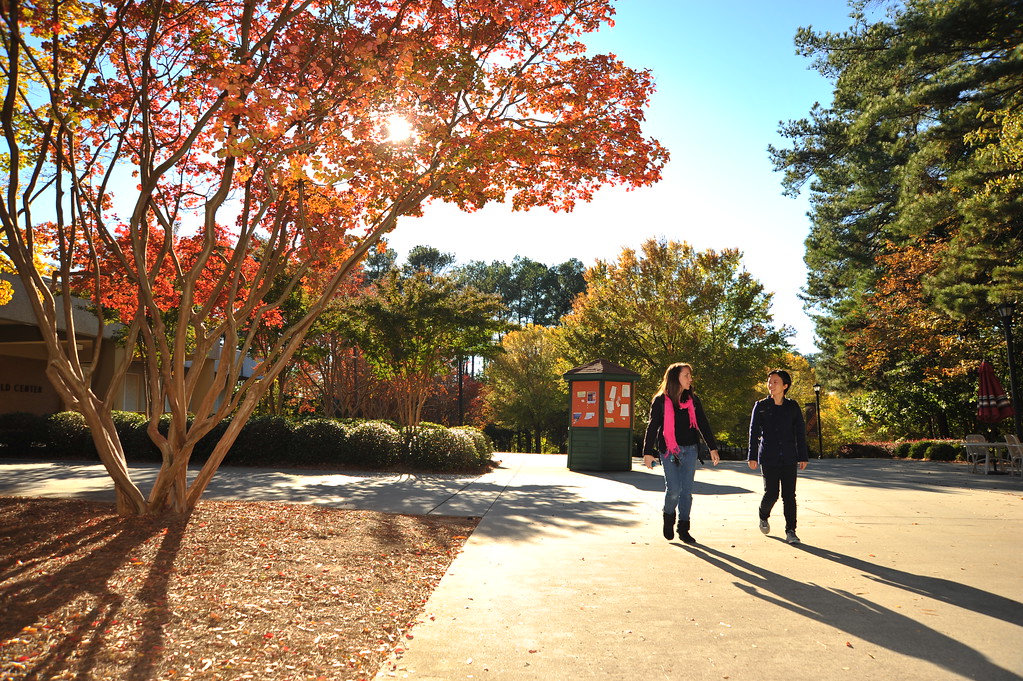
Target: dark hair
<point>783,375</point>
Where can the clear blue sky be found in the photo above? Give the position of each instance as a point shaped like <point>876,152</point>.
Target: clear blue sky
<point>727,73</point>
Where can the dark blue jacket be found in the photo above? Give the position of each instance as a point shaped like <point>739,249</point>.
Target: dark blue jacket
<point>653,440</point>
<point>777,434</point>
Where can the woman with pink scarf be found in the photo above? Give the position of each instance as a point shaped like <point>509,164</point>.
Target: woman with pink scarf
<point>676,424</point>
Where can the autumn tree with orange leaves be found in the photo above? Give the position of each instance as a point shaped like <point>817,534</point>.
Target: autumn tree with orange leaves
<point>180,155</point>
<point>918,365</point>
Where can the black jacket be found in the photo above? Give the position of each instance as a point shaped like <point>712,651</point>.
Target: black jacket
<point>653,441</point>
<point>777,434</point>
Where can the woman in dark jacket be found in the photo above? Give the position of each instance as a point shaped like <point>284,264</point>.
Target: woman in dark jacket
<point>676,423</point>
<point>777,441</point>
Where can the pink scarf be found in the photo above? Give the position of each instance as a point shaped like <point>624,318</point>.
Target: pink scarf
<point>669,422</point>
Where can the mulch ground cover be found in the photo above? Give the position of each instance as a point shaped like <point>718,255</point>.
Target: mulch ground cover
<point>236,590</point>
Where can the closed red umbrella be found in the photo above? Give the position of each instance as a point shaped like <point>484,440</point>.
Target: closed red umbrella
<point>993,404</point>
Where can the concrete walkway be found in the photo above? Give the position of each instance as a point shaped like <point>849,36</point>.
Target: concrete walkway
<point>908,570</point>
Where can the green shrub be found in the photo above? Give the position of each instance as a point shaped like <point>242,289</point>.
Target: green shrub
<point>374,444</point>
<point>441,449</point>
<point>918,449</point>
<point>462,452</point>
<point>902,450</point>
<point>68,436</point>
<point>427,449</point>
<point>481,442</point>
<point>319,441</point>
<point>132,431</point>
<point>19,430</point>
<point>263,441</point>
<point>208,442</point>
<point>942,451</point>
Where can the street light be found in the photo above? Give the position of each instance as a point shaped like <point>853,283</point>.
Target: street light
<point>820,423</point>
<point>1005,311</point>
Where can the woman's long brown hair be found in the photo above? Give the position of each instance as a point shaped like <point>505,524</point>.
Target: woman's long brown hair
<point>670,385</point>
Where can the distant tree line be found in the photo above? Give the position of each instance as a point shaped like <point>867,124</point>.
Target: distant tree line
<point>532,293</point>
<point>487,344</point>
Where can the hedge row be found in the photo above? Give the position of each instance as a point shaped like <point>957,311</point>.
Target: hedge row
<point>263,441</point>
<point>866,450</point>
<point>925,450</point>
<point>931,450</point>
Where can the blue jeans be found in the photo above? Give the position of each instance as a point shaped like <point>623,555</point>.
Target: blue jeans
<point>678,482</point>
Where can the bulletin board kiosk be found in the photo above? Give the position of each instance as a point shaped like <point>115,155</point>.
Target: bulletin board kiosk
<point>601,399</point>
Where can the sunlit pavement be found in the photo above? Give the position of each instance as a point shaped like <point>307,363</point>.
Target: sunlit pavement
<point>907,570</point>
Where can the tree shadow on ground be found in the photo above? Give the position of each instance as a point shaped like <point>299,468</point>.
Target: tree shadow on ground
<point>931,476</point>
<point>860,617</point>
<point>154,592</point>
<point>94,553</point>
<point>520,507</point>
<point>524,509</point>
<point>21,478</point>
<point>653,481</point>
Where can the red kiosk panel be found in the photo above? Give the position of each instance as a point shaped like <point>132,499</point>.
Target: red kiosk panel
<point>617,404</point>
<point>584,403</point>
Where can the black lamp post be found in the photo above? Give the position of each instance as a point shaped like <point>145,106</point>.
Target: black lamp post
<point>820,422</point>
<point>1005,311</point>
<point>461,374</point>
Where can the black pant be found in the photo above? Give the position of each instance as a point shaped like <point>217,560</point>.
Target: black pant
<point>784,477</point>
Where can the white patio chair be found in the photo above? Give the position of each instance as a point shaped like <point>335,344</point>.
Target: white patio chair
<point>977,451</point>
<point>1015,455</point>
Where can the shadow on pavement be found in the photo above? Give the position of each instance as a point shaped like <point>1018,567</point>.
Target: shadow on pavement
<point>29,474</point>
<point>953,593</point>
<point>653,481</point>
<point>524,509</point>
<point>864,619</point>
<point>931,476</point>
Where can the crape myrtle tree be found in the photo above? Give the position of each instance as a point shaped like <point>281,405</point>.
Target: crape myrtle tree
<point>411,328</point>
<point>333,379</point>
<point>671,303</point>
<point>408,319</point>
<point>328,374</point>
<point>914,171</point>
<point>176,157</point>
<point>279,398</point>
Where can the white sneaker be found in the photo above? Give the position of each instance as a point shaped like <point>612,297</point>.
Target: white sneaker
<point>791,538</point>
<point>764,526</point>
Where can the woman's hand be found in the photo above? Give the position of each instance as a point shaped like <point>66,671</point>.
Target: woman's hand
<point>714,458</point>
<point>648,460</point>
<point>752,464</point>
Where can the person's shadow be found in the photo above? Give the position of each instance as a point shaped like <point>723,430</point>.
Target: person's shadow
<point>960,595</point>
<point>869,621</point>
